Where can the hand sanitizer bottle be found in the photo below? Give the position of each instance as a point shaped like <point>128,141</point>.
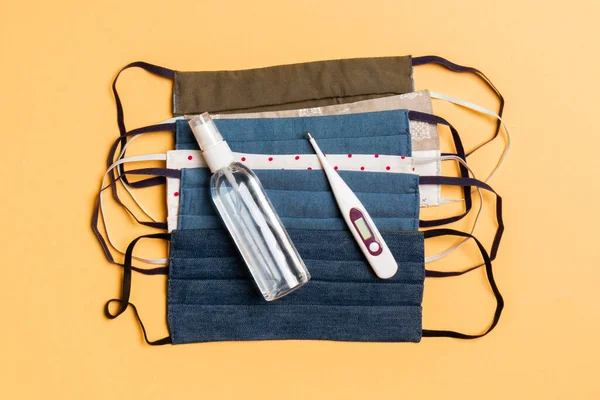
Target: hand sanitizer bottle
<point>249,216</point>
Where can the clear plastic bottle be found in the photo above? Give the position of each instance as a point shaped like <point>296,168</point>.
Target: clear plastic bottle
<point>249,216</point>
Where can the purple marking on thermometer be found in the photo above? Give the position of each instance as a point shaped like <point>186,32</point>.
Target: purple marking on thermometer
<point>366,233</point>
<point>358,220</point>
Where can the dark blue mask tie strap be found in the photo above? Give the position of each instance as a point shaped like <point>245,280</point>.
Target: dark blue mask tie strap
<point>416,61</point>
<point>464,172</point>
<point>158,172</point>
<point>126,289</point>
<point>490,276</point>
<point>153,69</point>
<point>453,181</point>
<point>165,172</point>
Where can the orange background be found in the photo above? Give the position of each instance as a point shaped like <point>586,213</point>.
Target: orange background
<point>58,60</point>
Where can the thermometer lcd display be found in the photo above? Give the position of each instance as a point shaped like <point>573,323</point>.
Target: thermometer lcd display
<point>363,229</point>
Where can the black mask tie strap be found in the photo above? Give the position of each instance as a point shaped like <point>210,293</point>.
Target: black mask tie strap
<point>126,289</point>
<point>490,276</point>
<point>416,61</point>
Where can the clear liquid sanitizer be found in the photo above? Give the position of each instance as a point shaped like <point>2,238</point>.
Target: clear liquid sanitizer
<point>249,216</point>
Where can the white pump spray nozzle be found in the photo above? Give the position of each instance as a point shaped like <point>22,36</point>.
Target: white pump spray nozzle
<point>216,151</point>
<point>205,131</point>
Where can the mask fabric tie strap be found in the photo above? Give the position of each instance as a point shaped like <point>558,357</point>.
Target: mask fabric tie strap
<point>126,289</point>
<point>453,181</point>
<point>490,276</point>
<point>153,69</point>
<point>464,172</point>
<point>417,61</point>
<point>168,173</point>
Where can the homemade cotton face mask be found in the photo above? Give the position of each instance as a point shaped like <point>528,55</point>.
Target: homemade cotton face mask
<point>371,132</point>
<point>342,302</point>
<point>306,85</point>
<point>303,199</point>
<point>286,174</point>
<point>284,138</point>
<point>281,87</point>
<point>210,296</point>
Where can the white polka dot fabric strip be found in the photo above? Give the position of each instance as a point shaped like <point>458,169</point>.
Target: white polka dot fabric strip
<point>178,159</point>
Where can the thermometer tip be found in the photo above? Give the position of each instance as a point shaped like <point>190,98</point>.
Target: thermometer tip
<point>308,136</point>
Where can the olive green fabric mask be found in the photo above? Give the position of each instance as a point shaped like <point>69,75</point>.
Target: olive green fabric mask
<point>284,87</point>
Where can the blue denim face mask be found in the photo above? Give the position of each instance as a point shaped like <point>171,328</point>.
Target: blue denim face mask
<point>208,284</point>
<point>363,133</point>
<point>211,296</point>
<point>303,199</point>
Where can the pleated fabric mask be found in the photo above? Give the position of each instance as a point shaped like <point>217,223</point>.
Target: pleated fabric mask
<point>298,85</point>
<point>210,296</point>
<point>293,86</point>
<point>424,136</point>
<point>303,199</point>
<point>297,179</point>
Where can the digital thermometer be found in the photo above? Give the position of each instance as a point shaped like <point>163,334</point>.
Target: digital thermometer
<point>358,220</point>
